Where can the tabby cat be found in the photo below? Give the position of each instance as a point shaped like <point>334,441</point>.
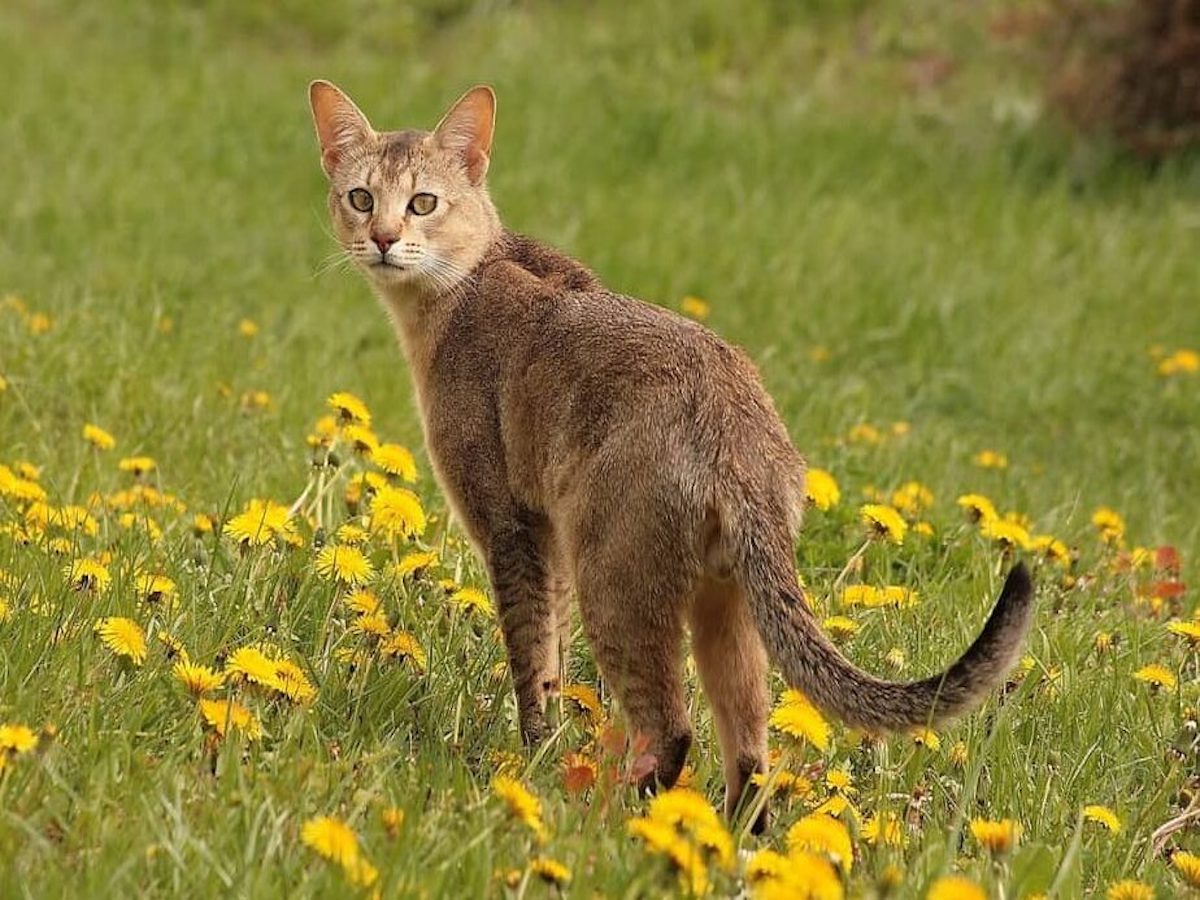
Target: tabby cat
<point>596,445</point>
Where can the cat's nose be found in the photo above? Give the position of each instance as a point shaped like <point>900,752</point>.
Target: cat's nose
<point>383,242</point>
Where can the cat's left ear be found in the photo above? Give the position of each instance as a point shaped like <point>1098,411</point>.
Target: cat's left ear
<point>467,130</point>
<point>340,124</point>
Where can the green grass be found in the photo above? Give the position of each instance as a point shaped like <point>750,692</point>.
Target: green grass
<point>965,269</point>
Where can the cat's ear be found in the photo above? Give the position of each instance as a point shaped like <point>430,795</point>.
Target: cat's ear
<point>340,124</point>
<point>467,130</point>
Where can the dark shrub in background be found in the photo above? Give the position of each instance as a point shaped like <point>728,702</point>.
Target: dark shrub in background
<point>1130,68</point>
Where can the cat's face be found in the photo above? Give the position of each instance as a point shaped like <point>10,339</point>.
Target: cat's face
<point>411,208</point>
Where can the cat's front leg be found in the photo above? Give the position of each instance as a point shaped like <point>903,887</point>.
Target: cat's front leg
<point>518,570</point>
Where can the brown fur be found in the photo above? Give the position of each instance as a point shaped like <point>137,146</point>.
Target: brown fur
<point>591,441</point>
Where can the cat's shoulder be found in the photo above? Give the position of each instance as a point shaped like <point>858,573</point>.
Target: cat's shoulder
<point>524,263</point>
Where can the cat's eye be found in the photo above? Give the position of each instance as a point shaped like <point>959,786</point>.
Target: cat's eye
<point>361,200</point>
<point>423,204</point>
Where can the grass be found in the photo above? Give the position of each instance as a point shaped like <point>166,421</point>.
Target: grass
<point>938,257</point>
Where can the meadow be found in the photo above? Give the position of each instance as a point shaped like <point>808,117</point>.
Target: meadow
<point>245,652</point>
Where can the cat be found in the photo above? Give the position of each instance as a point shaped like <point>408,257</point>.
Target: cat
<point>595,444</point>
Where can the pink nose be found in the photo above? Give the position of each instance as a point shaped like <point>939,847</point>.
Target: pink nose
<point>383,243</point>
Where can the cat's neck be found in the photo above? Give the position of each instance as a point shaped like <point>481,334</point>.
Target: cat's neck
<point>420,312</point>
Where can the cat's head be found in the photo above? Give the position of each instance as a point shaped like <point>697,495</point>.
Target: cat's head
<point>411,208</point>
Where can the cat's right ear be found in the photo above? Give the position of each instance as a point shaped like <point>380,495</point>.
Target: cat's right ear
<point>340,124</point>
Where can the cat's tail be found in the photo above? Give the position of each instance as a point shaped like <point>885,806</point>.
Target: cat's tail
<point>811,663</point>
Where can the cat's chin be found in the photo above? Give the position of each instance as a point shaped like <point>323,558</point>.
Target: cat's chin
<point>388,275</point>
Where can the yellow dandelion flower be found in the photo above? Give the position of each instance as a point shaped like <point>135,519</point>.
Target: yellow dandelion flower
<point>1051,549</point>
<point>1129,889</point>
<point>662,838</point>
<point>219,715</point>
<point>19,489</point>
<point>1005,532</point>
<point>896,659</point>
<point>955,887</point>
<point>694,307</point>
<point>124,637</point>
<point>345,564</point>
<point>199,680</point>
<point>521,804</point>
<point>349,408</point>
<point>364,603</point>
<point>550,871</point>
<point>796,716</point>
<point>837,805</point>
<point>686,809</point>
<point>361,439</point>
<point>1188,867</point>
<point>293,682</point>
<point>373,625</point>
<point>261,523</point>
<point>990,459</point>
<point>1179,362</point>
<point>840,780</point>
<point>585,699</point>
<point>137,465</point>
<point>397,512</point>
<point>764,865</point>
<point>413,563</point>
<point>336,841</point>
<point>16,739</point>
<point>351,534</point>
<point>807,876</point>
<point>822,834</point>
<point>884,521</point>
<point>88,574</point>
<point>98,437</point>
<point>247,328</point>
<point>156,588</point>
<point>926,738</point>
<point>1109,524</point>
<point>841,628</point>
<point>1157,676</point>
<point>912,498</point>
<point>978,507</point>
<point>252,665</point>
<point>1188,630</point>
<point>473,599</point>
<point>996,836</point>
<point>402,645</point>
<point>822,489</point>
<point>395,460</point>
<point>69,518</point>
<point>884,829</point>
<point>1102,815</point>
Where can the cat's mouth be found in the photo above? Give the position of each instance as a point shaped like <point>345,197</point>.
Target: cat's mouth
<point>387,264</point>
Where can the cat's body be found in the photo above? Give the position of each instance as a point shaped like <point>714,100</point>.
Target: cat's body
<point>595,444</point>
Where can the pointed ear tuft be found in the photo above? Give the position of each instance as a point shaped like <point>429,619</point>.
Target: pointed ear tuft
<point>340,124</point>
<point>467,130</point>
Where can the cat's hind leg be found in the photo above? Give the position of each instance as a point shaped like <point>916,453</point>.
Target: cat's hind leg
<point>733,671</point>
